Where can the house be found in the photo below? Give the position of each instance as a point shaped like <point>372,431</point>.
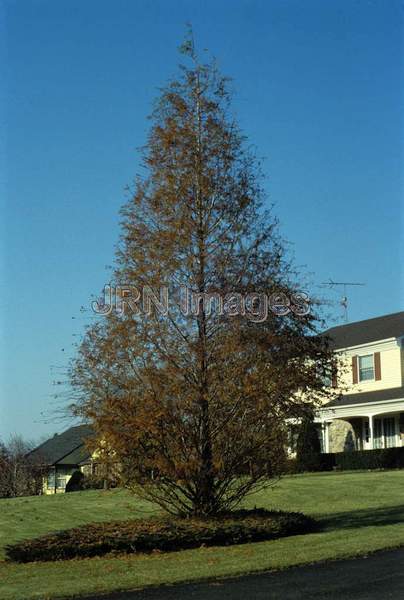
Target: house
<point>61,455</point>
<point>369,410</point>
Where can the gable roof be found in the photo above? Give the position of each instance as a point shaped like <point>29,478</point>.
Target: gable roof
<point>69,445</point>
<point>363,332</point>
<point>364,397</point>
<point>79,456</point>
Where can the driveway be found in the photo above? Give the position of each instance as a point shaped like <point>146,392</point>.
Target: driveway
<point>377,577</point>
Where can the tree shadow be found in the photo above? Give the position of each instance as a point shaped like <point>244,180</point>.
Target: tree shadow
<point>387,515</point>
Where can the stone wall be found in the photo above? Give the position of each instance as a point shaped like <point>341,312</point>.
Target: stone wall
<point>342,437</point>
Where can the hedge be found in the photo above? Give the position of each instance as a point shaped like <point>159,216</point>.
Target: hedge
<point>325,462</point>
<point>381,458</point>
<point>146,535</point>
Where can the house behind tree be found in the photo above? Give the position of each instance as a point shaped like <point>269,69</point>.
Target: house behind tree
<point>366,413</point>
<point>63,454</point>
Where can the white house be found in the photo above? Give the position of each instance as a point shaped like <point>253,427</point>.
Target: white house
<point>369,412</point>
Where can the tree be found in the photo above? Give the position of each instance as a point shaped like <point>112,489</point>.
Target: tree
<point>76,482</point>
<point>308,448</point>
<point>194,402</point>
<point>18,475</point>
<point>5,472</point>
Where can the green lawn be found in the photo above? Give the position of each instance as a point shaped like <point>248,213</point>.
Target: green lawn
<point>360,512</point>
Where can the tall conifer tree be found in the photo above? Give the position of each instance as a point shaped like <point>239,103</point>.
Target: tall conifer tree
<point>194,402</point>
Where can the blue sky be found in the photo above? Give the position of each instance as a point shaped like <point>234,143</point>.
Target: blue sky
<point>318,90</point>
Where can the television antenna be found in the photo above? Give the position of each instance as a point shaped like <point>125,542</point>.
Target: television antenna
<point>344,299</point>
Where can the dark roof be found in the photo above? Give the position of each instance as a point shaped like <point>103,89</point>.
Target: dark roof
<point>79,456</point>
<point>57,449</point>
<point>371,330</point>
<point>361,398</point>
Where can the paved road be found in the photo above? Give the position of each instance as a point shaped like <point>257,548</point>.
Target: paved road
<point>378,577</point>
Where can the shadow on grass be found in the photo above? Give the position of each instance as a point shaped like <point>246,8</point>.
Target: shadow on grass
<point>369,517</point>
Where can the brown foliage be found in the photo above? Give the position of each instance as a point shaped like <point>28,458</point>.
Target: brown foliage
<point>187,402</point>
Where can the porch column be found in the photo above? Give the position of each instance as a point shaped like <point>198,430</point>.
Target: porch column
<point>370,417</point>
<point>326,437</point>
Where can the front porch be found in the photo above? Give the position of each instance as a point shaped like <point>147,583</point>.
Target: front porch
<point>349,428</point>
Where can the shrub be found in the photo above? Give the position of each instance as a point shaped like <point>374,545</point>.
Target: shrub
<point>324,462</point>
<point>308,449</point>
<point>75,483</point>
<point>327,462</point>
<point>93,482</point>
<point>383,458</point>
<point>97,539</point>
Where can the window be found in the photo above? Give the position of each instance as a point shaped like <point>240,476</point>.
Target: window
<point>366,368</point>
<point>293,434</point>
<point>327,375</point>
<point>60,482</point>
<point>50,482</point>
<point>367,432</point>
<point>327,378</point>
<point>384,431</point>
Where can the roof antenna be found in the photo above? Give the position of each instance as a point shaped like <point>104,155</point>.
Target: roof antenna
<point>344,300</point>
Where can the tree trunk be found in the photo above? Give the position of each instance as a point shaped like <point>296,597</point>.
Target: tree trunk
<point>206,493</point>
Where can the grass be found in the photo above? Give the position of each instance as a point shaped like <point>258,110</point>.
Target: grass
<point>360,513</point>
